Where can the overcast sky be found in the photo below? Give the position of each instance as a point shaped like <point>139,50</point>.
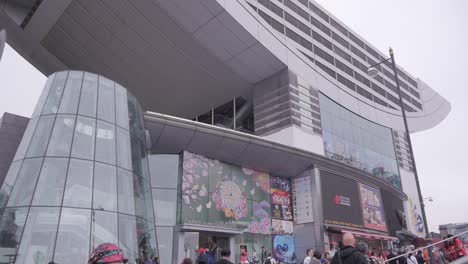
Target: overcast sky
<point>430,40</point>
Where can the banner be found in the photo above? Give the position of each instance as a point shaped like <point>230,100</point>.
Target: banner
<point>372,208</point>
<point>302,199</point>
<point>281,227</point>
<point>284,249</point>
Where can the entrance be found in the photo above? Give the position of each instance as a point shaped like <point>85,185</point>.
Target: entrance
<point>208,245</point>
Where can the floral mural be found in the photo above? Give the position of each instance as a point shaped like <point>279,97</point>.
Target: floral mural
<point>230,199</point>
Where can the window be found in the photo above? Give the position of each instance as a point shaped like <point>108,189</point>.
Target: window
<point>78,189</point>
<point>62,135</point>
<point>319,12</point>
<point>124,151</point>
<point>356,40</point>
<point>165,238</point>
<point>121,106</point>
<point>11,228</point>
<point>128,236</point>
<point>326,69</point>
<point>164,170</point>
<point>321,40</point>
<point>40,138</point>
<point>346,82</point>
<point>320,25</point>
<point>344,68</point>
<point>22,192</point>
<point>83,140</point>
<point>362,79</point>
<point>388,73</point>
<point>165,206</point>
<point>372,52</point>
<point>126,199</point>
<point>104,228</point>
<point>379,101</point>
<point>379,90</point>
<point>412,82</point>
<point>298,24</point>
<point>372,62</point>
<point>105,142</point>
<point>359,53</point>
<point>393,99</point>
<point>71,94</point>
<point>8,184</point>
<point>299,10</point>
<point>43,97</point>
<point>105,187</point>
<point>49,189</point>
<point>324,55</point>
<point>52,103</point>
<point>358,64</point>
<point>413,92</point>
<point>339,27</point>
<point>343,54</point>
<point>416,103</point>
<point>364,92</point>
<point>106,105</point>
<point>391,86</point>
<point>88,99</point>
<point>28,133</point>
<point>340,40</point>
<point>403,85</point>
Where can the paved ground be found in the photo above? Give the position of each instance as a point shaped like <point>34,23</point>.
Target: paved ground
<point>463,260</point>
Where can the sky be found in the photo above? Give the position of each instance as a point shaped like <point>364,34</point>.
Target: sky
<point>430,41</point>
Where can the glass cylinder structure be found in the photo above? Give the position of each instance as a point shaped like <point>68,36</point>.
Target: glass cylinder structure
<point>80,176</point>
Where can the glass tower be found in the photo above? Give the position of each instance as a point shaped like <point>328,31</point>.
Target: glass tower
<point>80,176</point>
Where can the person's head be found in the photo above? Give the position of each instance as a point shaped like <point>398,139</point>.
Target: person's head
<point>226,253</point>
<point>310,252</point>
<point>349,240</point>
<point>372,254</point>
<point>362,247</point>
<point>419,252</point>
<point>317,254</point>
<point>107,253</point>
<point>187,261</point>
<point>327,255</point>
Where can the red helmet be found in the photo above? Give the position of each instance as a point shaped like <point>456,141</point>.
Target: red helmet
<point>107,253</point>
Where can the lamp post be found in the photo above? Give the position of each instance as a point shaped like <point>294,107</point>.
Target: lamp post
<point>373,72</point>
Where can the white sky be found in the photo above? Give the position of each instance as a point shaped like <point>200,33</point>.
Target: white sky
<point>430,40</point>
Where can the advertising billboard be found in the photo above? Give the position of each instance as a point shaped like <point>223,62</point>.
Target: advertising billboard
<point>414,216</point>
<point>302,199</point>
<point>372,208</point>
<point>341,205</point>
<point>284,249</point>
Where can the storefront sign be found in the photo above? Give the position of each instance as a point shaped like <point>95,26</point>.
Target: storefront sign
<point>372,208</point>
<point>302,199</point>
<point>340,200</point>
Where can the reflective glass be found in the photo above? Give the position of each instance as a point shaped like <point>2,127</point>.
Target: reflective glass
<point>105,142</point>
<point>165,237</point>
<point>49,189</point>
<point>71,94</point>
<point>53,100</point>
<point>37,243</point>
<point>62,135</point>
<point>146,235</point>
<point>165,205</point>
<point>124,151</point>
<point>128,238</point>
<point>40,138</point>
<point>126,193</point>
<point>73,236</point>
<point>141,192</point>
<point>78,189</point>
<point>8,183</point>
<point>106,104</point>
<point>83,140</point>
<point>104,228</point>
<point>43,97</point>
<point>88,99</point>
<point>25,183</point>
<point>121,106</point>
<point>11,229</point>
<point>105,187</point>
<point>23,146</point>
<point>164,170</point>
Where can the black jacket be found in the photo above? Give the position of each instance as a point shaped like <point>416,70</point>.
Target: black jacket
<point>349,255</point>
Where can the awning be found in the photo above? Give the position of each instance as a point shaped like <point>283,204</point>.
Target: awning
<point>364,234</point>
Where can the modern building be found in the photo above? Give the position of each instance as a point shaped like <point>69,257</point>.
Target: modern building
<point>169,125</point>
<point>455,229</point>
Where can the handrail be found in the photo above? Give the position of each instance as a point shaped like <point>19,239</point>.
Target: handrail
<point>430,245</point>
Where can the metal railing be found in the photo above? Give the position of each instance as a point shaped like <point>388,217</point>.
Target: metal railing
<point>428,246</point>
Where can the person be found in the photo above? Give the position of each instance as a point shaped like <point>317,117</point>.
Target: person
<point>348,254</point>
<point>411,259</point>
<point>149,260</point>
<point>225,257</point>
<point>363,248</point>
<point>202,257</point>
<point>373,259</point>
<point>390,257</point>
<point>269,259</point>
<point>316,257</point>
<point>244,255</point>
<point>156,260</point>
<point>254,258</point>
<point>420,257</point>
<point>187,261</point>
<point>458,248</point>
<point>308,257</point>
<point>107,253</point>
<point>327,258</point>
<point>402,259</point>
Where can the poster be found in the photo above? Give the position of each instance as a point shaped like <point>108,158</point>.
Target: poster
<point>284,249</point>
<point>281,227</point>
<point>302,199</point>
<point>372,208</point>
<point>415,221</point>
<point>281,199</point>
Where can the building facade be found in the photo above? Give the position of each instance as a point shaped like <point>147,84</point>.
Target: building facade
<point>248,125</point>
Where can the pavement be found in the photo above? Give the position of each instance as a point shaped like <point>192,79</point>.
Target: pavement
<point>463,260</point>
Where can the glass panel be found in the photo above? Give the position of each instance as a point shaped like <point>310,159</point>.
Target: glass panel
<point>24,186</point>
<point>79,184</point>
<point>39,141</point>
<point>165,205</point>
<point>11,229</point>
<point>121,106</point>
<point>53,100</point>
<point>124,156</point>
<point>128,237</point>
<point>73,236</point>
<point>165,237</point>
<point>21,151</point>
<point>105,142</point>
<point>104,228</point>
<point>49,189</point>
<point>83,141</point>
<point>106,105</point>
<point>37,243</point>
<point>125,192</point>
<point>43,97</point>
<point>88,99</point>
<point>62,134</point>
<point>146,239</point>
<point>71,95</point>
<point>105,187</point>
<point>8,183</point>
<point>164,170</point>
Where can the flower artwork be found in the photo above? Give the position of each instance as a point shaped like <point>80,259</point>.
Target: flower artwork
<point>194,181</point>
<point>261,219</point>
<point>230,199</point>
<point>262,181</point>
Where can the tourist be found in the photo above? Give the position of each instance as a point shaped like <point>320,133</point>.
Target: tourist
<point>107,253</point>
<point>225,257</point>
<point>363,248</point>
<point>316,258</point>
<point>187,261</point>
<point>420,257</point>
<point>411,259</point>
<point>390,257</point>
<point>349,254</point>
<point>269,259</point>
<point>309,256</point>
<point>327,258</point>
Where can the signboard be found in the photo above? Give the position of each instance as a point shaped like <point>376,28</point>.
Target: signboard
<point>372,208</point>
<point>341,205</point>
<point>302,199</point>
<point>414,217</point>
<point>281,199</point>
<point>281,227</point>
